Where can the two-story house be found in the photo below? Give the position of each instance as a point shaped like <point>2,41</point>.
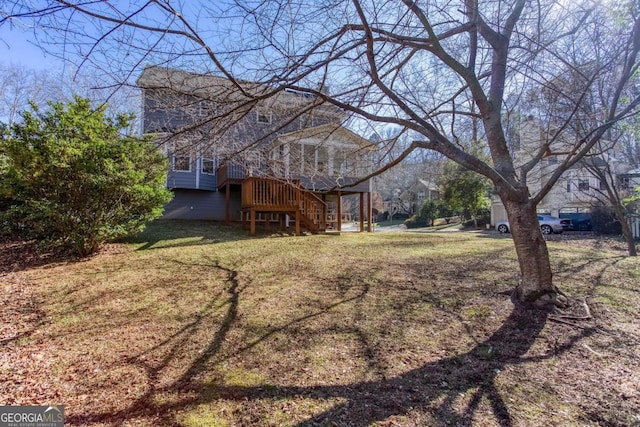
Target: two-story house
<point>578,190</point>
<point>239,152</point>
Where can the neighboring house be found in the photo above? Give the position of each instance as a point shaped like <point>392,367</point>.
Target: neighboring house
<point>408,201</point>
<point>422,191</point>
<point>577,190</point>
<point>239,155</point>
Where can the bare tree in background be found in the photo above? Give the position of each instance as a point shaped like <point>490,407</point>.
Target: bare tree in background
<point>428,67</point>
<point>576,104</point>
<point>401,185</point>
<point>611,193</point>
<point>21,85</point>
<point>628,140</point>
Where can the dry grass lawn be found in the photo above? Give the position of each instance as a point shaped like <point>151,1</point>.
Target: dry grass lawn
<point>195,324</point>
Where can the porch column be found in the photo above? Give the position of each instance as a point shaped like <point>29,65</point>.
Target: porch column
<point>339,211</point>
<point>287,160</point>
<point>297,218</point>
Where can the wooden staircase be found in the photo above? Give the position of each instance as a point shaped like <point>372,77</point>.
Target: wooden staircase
<point>270,195</point>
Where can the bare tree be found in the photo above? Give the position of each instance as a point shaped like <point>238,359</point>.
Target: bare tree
<point>628,140</point>
<point>577,103</point>
<point>428,67</point>
<point>21,85</point>
<point>611,192</point>
<point>405,186</point>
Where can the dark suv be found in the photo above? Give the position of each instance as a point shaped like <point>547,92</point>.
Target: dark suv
<point>581,221</point>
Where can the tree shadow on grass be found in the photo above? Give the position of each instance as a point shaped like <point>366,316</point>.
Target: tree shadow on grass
<point>451,390</point>
<point>146,405</point>
<point>190,390</point>
<point>436,387</point>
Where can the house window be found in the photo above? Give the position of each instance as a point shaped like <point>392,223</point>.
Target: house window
<point>602,185</point>
<point>208,166</point>
<point>583,185</point>
<point>204,108</point>
<point>552,159</point>
<point>295,158</point>
<point>309,154</point>
<point>180,155</point>
<point>182,163</point>
<point>209,162</point>
<point>349,166</point>
<point>322,159</point>
<point>338,162</point>
<point>304,121</point>
<point>625,182</point>
<point>568,186</point>
<point>253,159</point>
<point>263,116</point>
<point>421,195</point>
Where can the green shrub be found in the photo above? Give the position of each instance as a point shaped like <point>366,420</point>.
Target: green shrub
<point>604,221</point>
<point>483,218</point>
<point>72,178</point>
<point>429,211</point>
<point>415,222</point>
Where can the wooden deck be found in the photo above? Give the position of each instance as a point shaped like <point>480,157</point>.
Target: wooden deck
<point>270,195</point>
<point>272,200</point>
<point>229,173</point>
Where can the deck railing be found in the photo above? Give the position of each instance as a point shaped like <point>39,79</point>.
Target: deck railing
<point>265,194</point>
<point>230,171</point>
<point>314,209</point>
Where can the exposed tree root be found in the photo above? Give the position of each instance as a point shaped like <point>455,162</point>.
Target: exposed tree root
<point>566,322</point>
<point>592,350</point>
<point>570,313</point>
<point>561,307</point>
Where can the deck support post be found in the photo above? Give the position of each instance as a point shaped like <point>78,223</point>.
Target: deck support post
<point>252,215</point>
<point>369,212</point>
<point>339,211</point>
<point>227,205</point>
<point>297,214</point>
<point>361,212</point>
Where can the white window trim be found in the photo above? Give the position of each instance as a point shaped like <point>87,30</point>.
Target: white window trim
<point>582,183</point>
<point>214,160</point>
<point>173,163</point>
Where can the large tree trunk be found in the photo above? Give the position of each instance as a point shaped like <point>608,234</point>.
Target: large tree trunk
<point>626,229</point>
<point>536,284</point>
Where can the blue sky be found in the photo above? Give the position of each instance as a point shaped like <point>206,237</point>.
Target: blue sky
<point>17,47</point>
